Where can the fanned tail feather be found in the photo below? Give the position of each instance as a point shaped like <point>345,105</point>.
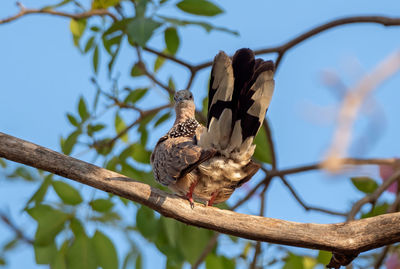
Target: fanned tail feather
<point>239,95</point>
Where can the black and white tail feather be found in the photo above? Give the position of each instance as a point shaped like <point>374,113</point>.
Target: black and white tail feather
<point>239,95</point>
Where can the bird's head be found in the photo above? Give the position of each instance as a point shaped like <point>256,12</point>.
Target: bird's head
<point>184,105</point>
<point>182,96</point>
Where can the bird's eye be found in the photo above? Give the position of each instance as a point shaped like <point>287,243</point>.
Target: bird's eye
<point>191,96</point>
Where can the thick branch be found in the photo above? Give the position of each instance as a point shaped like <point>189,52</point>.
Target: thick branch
<point>348,238</point>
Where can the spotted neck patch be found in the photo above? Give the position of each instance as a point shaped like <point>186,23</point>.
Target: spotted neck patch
<point>185,129</point>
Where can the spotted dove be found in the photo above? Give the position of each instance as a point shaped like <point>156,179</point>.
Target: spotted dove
<point>208,163</point>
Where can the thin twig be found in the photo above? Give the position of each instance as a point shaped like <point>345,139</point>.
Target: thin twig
<point>26,11</point>
<point>266,181</point>
<point>143,115</point>
<point>304,205</point>
<point>14,227</point>
<point>373,197</point>
<point>282,49</point>
<point>169,57</point>
<point>381,257</point>
<point>346,161</point>
<point>143,68</point>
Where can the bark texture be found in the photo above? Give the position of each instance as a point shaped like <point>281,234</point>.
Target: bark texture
<point>344,239</point>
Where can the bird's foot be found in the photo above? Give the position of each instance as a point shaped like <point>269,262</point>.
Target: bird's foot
<point>189,195</point>
<point>212,199</point>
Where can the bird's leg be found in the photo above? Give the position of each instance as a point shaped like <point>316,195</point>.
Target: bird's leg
<point>189,195</point>
<point>212,199</point>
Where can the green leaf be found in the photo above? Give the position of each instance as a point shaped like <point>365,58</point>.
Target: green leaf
<point>263,150</point>
<point>199,7</point>
<point>140,154</point>
<point>38,196</point>
<point>95,29</point>
<point>89,44</point>
<point>67,193</point>
<point>187,236</point>
<point>12,244</point>
<point>170,228</point>
<point>101,205</point>
<point>77,227</point>
<point>68,144</point>
<point>51,222</point>
<point>82,109</point>
<point>105,251</point>
<point>111,217</point>
<point>206,26</point>
<point>140,30</point>
<point>96,59</point>
<point>146,223</point>
<point>81,254</point>
<point>120,126</point>
<point>91,129</point>
<point>309,262</point>
<point>174,264</point>
<point>57,5</point>
<point>141,6</point>
<point>135,95</point>
<point>112,44</point>
<point>294,262</point>
<point>376,211</point>
<point>58,261</point>
<point>364,184</point>
<point>214,261</point>
<point>22,172</point>
<point>45,254</point>
<point>324,257</point>
<point>138,263</point>
<point>158,63</point>
<point>163,118</point>
<point>171,85</point>
<point>104,4</point>
<point>136,71</point>
<point>72,120</point>
<point>3,163</point>
<point>77,29</point>
<point>171,40</point>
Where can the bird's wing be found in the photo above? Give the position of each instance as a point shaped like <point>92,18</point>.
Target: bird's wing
<point>173,158</point>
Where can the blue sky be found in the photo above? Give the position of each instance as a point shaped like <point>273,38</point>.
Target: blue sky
<point>42,75</point>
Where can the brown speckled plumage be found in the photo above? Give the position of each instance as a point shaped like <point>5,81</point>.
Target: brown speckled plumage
<point>209,163</point>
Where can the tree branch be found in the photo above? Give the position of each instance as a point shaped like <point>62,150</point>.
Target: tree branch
<point>348,238</point>
<point>143,114</point>
<point>282,49</point>
<point>373,197</point>
<point>304,205</point>
<point>345,161</point>
<point>18,232</point>
<point>26,11</point>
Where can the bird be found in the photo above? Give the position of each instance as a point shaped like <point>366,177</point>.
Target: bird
<point>207,163</point>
